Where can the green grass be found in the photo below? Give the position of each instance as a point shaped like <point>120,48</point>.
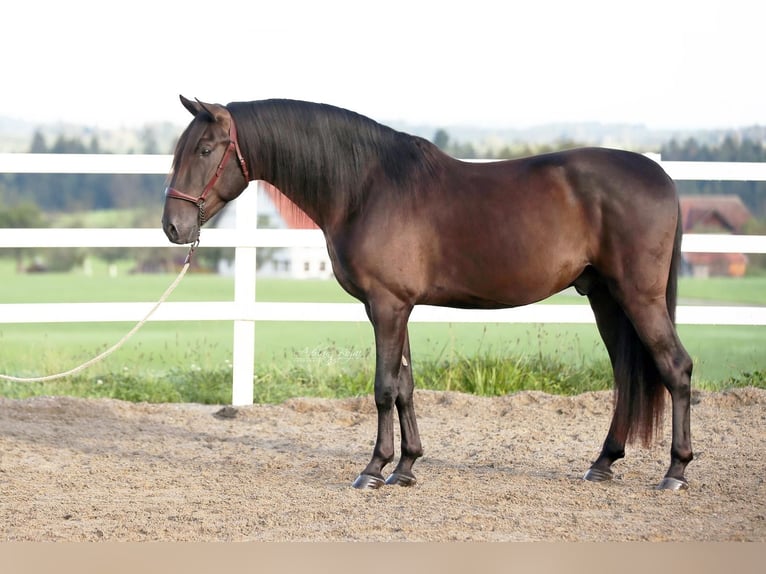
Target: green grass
<point>724,290</point>
<point>190,362</point>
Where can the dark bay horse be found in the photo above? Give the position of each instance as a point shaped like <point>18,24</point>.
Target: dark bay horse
<point>406,224</point>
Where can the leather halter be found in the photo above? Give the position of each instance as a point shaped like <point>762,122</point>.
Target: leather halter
<point>200,200</point>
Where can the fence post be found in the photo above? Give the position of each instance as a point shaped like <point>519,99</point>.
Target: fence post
<point>243,351</point>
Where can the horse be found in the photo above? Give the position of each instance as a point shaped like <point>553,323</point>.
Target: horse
<point>406,224</point>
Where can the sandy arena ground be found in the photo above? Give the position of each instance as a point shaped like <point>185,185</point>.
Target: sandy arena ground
<point>495,469</point>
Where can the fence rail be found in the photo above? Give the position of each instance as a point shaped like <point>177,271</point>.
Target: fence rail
<point>245,311</point>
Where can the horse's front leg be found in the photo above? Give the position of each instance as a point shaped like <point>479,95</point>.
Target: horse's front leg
<point>389,320</point>
<point>411,446</point>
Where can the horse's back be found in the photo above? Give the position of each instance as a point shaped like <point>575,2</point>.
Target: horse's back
<point>605,198</point>
<point>594,174</point>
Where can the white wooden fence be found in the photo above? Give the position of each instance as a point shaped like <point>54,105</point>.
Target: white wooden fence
<point>244,311</point>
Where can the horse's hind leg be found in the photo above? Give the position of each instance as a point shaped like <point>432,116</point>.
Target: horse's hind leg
<point>643,350</point>
<point>656,329</point>
<point>610,321</point>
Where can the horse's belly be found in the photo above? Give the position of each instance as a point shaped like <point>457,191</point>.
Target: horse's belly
<point>482,293</point>
<point>503,279</point>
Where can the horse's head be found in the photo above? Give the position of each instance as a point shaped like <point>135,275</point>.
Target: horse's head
<point>203,179</point>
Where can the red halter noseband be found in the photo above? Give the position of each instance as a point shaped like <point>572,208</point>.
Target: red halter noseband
<point>200,201</point>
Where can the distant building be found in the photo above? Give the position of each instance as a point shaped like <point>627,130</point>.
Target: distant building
<point>725,214</point>
<point>286,262</point>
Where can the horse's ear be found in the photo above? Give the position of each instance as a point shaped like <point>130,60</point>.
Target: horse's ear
<point>215,112</point>
<point>193,107</point>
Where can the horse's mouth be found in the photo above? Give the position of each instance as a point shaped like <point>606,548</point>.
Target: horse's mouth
<point>177,236</point>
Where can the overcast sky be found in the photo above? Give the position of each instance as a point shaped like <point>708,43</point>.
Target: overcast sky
<point>501,63</point>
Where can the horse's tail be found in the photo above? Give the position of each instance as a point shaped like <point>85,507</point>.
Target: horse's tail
<point>639,391</point>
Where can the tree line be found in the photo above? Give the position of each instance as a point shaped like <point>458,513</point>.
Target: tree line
<point>37,200</point>
<point>56,193</point>
<point>752,193</point>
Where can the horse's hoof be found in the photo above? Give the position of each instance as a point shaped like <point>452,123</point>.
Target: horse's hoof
<point>598,475</point>
<point>399,479</point>
<point>670,483</point>
<point>368,482</point>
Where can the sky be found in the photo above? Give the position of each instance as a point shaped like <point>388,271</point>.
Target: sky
<point>667,64</point>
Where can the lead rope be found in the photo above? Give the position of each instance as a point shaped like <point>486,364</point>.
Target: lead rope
<point>121,342</point>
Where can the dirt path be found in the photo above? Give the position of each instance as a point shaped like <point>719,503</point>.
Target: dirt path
<point>505,468</point>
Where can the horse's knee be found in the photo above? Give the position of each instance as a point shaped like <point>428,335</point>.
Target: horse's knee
<point>385,397</point>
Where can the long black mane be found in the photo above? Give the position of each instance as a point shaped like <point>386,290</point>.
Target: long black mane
<point>322,156</point>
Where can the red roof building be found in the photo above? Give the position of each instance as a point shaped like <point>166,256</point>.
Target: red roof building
<point>292,215</point>
<point>291,262</point>
<point>277,212</point>
<point>725,214</point>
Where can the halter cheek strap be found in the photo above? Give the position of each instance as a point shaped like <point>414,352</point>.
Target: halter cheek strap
<point>199,201</point>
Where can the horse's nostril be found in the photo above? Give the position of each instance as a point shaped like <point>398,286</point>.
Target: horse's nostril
<point>171,232</point>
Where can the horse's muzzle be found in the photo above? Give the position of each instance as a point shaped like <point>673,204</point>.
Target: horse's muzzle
<point>180,235</point>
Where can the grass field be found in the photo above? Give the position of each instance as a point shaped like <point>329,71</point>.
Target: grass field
<point>330,359</point>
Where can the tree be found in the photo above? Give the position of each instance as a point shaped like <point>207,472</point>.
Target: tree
<point>38,144</point>
<point>441,139</point>
<point>64,144</point>
<point>95,145</point>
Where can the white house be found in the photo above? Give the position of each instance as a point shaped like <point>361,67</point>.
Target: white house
<point>275,211</point>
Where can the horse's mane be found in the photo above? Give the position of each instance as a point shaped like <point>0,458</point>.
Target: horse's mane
<point>323,156</point>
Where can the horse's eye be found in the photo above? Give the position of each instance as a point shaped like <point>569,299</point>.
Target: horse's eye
<point>205,151</point>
